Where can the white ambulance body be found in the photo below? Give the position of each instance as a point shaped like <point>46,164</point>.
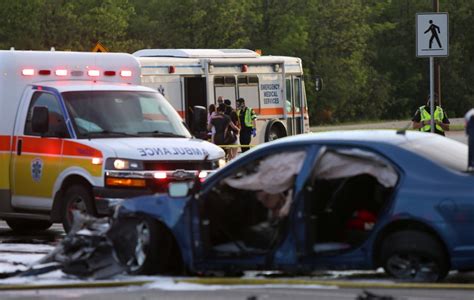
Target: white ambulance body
<point>272,85</point>
<point>77,131</point>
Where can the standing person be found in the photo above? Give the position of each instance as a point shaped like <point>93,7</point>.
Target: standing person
<point>211,113</point>
<point>248,124</point>
<point>230,111</point>
<point>224,128</point>
<point>228,107</point>
<point>422,118</point>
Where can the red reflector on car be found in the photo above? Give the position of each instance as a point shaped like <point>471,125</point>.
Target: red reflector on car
<point>109,73</point>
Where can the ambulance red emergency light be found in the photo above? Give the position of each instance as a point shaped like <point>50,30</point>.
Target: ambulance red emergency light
<point>78,132</point>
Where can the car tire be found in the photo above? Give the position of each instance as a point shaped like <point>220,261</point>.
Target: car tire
<point>151,247</point>
<point>414,256</point>
<point>23,225</point>
<point>76,197</point>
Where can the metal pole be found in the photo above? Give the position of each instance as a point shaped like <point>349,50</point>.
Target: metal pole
<point>432,93</point>
<point>437,69</point>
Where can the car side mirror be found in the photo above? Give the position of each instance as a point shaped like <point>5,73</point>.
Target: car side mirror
<point>318,83</point>
<point>178,189</point>
<point>40,120</point>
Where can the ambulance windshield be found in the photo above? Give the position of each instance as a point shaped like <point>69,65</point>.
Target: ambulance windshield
<point>102,114</point>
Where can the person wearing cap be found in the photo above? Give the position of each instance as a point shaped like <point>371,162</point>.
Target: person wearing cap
<point>248,126</point>
<point>422,118</point>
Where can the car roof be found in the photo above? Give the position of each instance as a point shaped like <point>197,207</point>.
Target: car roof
<point>378,136</point>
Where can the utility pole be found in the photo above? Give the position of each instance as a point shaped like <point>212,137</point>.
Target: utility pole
<point>437,73</point>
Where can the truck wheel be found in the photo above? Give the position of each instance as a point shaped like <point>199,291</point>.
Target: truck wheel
<point>274,131</point>
<point>23,226</point>
<point>414,256</point>
<point>145,246</point>
<point>76,197</point>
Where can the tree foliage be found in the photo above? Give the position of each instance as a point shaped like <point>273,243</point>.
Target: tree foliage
<point>363,49</point>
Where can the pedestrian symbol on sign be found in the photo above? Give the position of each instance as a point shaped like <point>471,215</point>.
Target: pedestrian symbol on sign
<point>434,34</point>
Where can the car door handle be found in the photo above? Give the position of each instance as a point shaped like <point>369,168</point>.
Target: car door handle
<point>19,145</point>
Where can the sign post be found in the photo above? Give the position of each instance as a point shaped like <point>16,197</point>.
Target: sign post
<point>432,39</point>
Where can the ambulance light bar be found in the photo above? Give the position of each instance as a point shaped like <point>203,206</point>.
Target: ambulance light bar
<point>64,72</point>
<point>28,72</point>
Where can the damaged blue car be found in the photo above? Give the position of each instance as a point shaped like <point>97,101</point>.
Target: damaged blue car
<point>403,201</point>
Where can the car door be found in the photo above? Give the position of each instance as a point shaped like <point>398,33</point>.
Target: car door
<point>243,215</point>
<point>348,191</point>
<point>37,159</point>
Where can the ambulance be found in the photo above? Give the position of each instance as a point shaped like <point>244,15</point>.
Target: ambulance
<point>273,86</point>
<point>78,132</point>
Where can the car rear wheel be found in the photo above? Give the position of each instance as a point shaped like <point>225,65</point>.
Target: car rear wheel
<point>76,198</point>
<point>22,225</point>
<point>414,256</point>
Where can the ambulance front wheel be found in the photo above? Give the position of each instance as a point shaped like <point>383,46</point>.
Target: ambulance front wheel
<point>76,198</point>
<point>23,225</point>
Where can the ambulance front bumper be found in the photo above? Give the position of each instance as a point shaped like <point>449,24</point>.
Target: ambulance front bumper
<point>108,197</point>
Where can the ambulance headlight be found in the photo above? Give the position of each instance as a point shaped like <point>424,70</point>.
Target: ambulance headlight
<point>123,164</point>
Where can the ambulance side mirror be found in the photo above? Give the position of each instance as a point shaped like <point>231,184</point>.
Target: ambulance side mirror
<point>40,120</point>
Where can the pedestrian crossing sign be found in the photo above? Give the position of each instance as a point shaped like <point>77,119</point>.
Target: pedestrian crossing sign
<point>432,34</point>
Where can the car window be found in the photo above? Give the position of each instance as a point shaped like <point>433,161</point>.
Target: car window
<point>56,120</point>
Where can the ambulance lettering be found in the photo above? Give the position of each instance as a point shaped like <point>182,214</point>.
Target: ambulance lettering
<point>171,151</point>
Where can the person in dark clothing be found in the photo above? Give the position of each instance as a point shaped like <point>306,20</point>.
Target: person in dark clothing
<point>228,107</point>
<point>223,127</point>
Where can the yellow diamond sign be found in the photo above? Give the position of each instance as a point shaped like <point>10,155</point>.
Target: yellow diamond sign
<point>99,48</point>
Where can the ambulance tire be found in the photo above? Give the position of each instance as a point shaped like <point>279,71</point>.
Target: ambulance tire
<point>23,225</point>
<point>76,197</point>
<point>274,131</point>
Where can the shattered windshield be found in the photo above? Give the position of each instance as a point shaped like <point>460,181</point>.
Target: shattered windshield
<point>99,114</point>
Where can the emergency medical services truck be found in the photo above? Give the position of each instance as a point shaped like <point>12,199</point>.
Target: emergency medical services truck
<point>77,131</point>
<point>272,85</point>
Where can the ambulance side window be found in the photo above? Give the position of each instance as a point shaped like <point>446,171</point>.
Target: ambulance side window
<point>57,126</point>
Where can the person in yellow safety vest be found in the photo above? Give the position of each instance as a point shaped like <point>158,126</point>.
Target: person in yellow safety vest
<point>422,118</point>
<point>248,126</point>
